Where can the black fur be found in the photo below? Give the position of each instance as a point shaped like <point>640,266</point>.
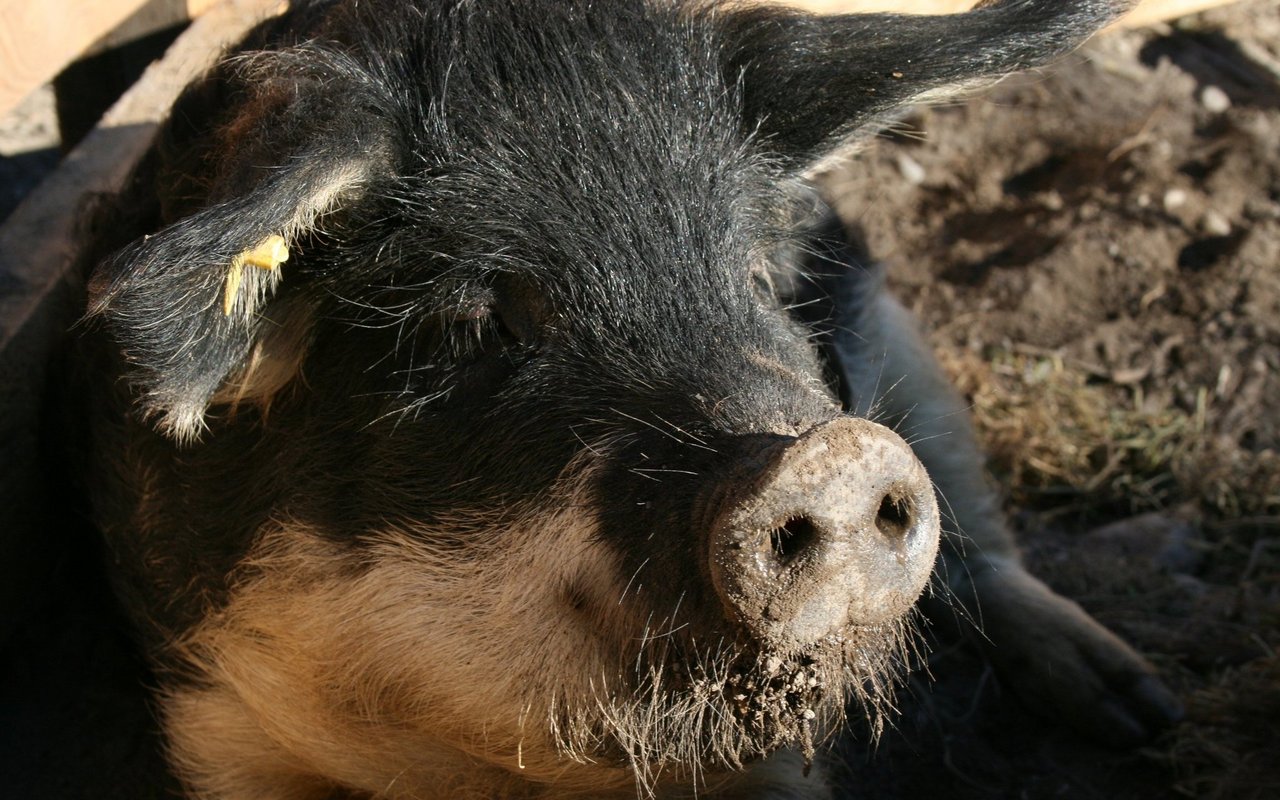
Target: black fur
<point>812,83</point>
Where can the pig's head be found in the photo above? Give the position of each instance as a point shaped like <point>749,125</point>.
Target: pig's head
<point>521,453</point>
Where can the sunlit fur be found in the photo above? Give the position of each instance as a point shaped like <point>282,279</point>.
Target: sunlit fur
<point>386,674</point>
<point>310,519</point>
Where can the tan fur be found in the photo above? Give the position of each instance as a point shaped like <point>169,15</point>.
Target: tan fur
<point>342,183</point>
<point>275,360</point>
<point>360,677</point>
<point>410,669</point>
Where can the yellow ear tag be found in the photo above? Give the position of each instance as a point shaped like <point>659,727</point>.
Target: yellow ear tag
<point>268,254</point>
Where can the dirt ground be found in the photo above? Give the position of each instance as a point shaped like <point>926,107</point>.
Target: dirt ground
<point>1096,252</point>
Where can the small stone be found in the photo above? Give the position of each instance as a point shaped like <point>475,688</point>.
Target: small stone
<point>1214,99</point>
<point>1261,210</point>
<point>1174,199</point>
<point>1215,224</point>
<point>911,170</point>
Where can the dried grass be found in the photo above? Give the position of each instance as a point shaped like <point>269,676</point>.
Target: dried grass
<point>1055,437</point>
<point>1064,442</point>
<point>1227,748</point>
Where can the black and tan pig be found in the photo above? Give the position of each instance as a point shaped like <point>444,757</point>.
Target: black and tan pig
<point>482,406</point>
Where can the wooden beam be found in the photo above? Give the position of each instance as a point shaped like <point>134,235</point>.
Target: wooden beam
<point>40,37</point>
<point>37,39</point>
<point>155,15</point>
<point>39,293</point>
<point>1153,11</point>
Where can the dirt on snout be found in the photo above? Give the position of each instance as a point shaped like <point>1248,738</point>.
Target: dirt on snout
<point>1096,253</point>
<point>775,701</point>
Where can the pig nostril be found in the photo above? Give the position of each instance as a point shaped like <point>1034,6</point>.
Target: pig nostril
<point>792,539</point>
<point>894,518</point>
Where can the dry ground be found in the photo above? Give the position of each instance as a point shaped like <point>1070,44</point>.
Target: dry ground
<point>1096,252</point>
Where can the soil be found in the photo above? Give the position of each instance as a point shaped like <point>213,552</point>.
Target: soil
<point>1096,252</point>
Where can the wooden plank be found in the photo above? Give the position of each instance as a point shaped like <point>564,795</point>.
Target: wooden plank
<point>1153,11</point>
<point>155,16</point>
<point>40,37</point>
<point>37,39</point>
<point>38,291</point>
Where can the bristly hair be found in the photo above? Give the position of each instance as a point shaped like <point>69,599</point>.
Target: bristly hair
<point>688,712</point>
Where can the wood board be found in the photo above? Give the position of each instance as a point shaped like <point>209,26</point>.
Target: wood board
<point>37,251</point>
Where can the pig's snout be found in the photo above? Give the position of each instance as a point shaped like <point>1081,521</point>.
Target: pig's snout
<point>838,529</point>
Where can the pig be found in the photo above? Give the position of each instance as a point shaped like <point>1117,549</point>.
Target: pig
<point>478,401</point>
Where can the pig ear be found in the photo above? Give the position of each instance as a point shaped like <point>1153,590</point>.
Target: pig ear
<point>813,84</point>
<point>302,142</point>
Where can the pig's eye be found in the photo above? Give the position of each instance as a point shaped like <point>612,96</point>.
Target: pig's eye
<point>505,322</point>
<point>480,330</point>
<point>762,284</point>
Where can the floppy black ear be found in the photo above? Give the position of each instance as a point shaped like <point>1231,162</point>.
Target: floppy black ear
<point>253,161</point>
<point>811,84</point>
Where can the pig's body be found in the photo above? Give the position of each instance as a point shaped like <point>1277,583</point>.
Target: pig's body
<point>528,473</point>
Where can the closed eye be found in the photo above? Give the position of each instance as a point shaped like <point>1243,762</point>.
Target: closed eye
<point>762,285</point>
<point>477,332</point>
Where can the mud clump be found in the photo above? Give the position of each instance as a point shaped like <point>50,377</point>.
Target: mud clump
<point>776,702</point>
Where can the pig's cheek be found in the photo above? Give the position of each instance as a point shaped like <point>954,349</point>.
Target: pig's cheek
<point>363,660</point>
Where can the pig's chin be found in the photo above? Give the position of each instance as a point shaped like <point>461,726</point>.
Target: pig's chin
<point>696,714</point>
